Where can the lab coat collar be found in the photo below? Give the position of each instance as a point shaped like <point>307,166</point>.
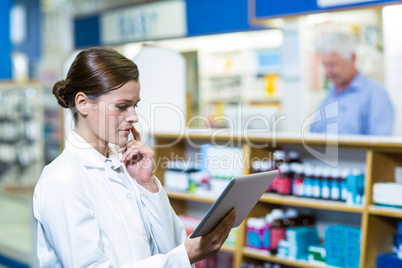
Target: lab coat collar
<point>89,156</point>
<point>113,160</point>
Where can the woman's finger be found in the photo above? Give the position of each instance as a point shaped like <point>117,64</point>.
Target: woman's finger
<point>225,224</point>
<point>136,134</point>
<point>132,154</point>
<point>130,144</point>
<point>127,153</point>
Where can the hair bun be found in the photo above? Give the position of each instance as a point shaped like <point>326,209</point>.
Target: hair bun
<point>59,90</point>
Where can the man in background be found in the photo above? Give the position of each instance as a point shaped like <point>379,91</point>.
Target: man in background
<point>357,103</point>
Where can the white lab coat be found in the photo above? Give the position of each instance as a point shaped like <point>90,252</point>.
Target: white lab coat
<point>91,213</point>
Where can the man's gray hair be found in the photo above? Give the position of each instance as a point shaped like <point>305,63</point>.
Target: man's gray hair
<point>340,43</point>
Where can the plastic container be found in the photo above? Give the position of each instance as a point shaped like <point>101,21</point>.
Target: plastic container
<point>277,230</point>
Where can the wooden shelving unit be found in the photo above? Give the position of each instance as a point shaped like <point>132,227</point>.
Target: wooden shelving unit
<point>310,203</point>
<point>385,211</point>
<point>378,223</point>
<point>190,197</point>
<point>266,256</point>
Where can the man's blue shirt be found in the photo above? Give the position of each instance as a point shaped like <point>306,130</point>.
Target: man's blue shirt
<point>362,108</point>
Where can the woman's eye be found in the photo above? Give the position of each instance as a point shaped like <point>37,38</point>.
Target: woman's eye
<point>122,107</point>
<point>136,105</point>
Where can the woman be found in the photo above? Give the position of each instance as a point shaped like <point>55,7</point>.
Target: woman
<point>94,210</point>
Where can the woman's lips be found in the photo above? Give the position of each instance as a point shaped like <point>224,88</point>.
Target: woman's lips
<point>126,131</point>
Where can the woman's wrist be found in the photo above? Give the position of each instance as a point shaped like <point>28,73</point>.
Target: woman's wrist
<point>150,185</point>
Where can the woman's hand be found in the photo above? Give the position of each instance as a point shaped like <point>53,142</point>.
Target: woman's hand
<point>203,247</point>
<point>138,159</point>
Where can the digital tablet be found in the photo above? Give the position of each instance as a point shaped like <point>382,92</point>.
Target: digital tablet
<point>242,193</point>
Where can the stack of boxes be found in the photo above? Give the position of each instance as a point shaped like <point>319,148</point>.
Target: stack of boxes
<point>342,246</point>
<point>297,242</point>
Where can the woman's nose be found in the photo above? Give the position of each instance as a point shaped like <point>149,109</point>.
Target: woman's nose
<point>132,115</point>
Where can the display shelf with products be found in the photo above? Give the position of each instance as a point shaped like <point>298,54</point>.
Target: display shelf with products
<point>241,68</point>
<point>21,139</point>
<point>310,203</point>
<point>377,157</point>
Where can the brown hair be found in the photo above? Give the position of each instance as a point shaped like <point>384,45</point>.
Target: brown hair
<point>95,71</point>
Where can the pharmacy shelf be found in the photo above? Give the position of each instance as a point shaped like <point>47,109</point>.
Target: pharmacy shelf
<point>189,197</point>
<point>310,203</point>
<point>378,224</point>
<point>280,200</point>
<point>266,256</point>
<point>311,139</point>
<point>385,211</point>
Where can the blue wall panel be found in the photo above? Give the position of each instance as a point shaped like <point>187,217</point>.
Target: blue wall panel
<point>5,43</point>
<point>33,43</point>
<point>274,8</point>
<point>211,16</point>
<point>87,31</point>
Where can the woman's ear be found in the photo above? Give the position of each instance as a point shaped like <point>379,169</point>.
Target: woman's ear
<point>82,103</point>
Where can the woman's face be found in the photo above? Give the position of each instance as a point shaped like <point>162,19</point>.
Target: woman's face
<point>114,113</point>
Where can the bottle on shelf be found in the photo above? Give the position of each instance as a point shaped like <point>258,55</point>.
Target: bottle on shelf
<point>294,157</point>
<point>343,187</point>
<point>317,178</point>
<point>283,180</point>
<point>266,165</point>
<point>335,184</point>
<point>277,230</point>
<point>298,179</point>
<point>256,166</point>
<point>355,187</point>
<point>266,239</point>
<point>326,183</point>
<point>292,218</point>
<point>255,232</point>
<point>308,180</point>
<point>279,157</point>
<point>307,218</point>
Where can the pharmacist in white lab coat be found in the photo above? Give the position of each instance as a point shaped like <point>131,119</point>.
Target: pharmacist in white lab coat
<point>94,210</point>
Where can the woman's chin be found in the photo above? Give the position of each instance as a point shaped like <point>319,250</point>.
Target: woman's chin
<point>121,140</point>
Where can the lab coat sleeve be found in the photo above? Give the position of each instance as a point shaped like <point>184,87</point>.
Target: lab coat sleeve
<point>66,226</point>
<point>381,114</point>
<point>70,229</point>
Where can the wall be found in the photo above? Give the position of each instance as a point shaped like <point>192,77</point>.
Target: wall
<point>5,44</point>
